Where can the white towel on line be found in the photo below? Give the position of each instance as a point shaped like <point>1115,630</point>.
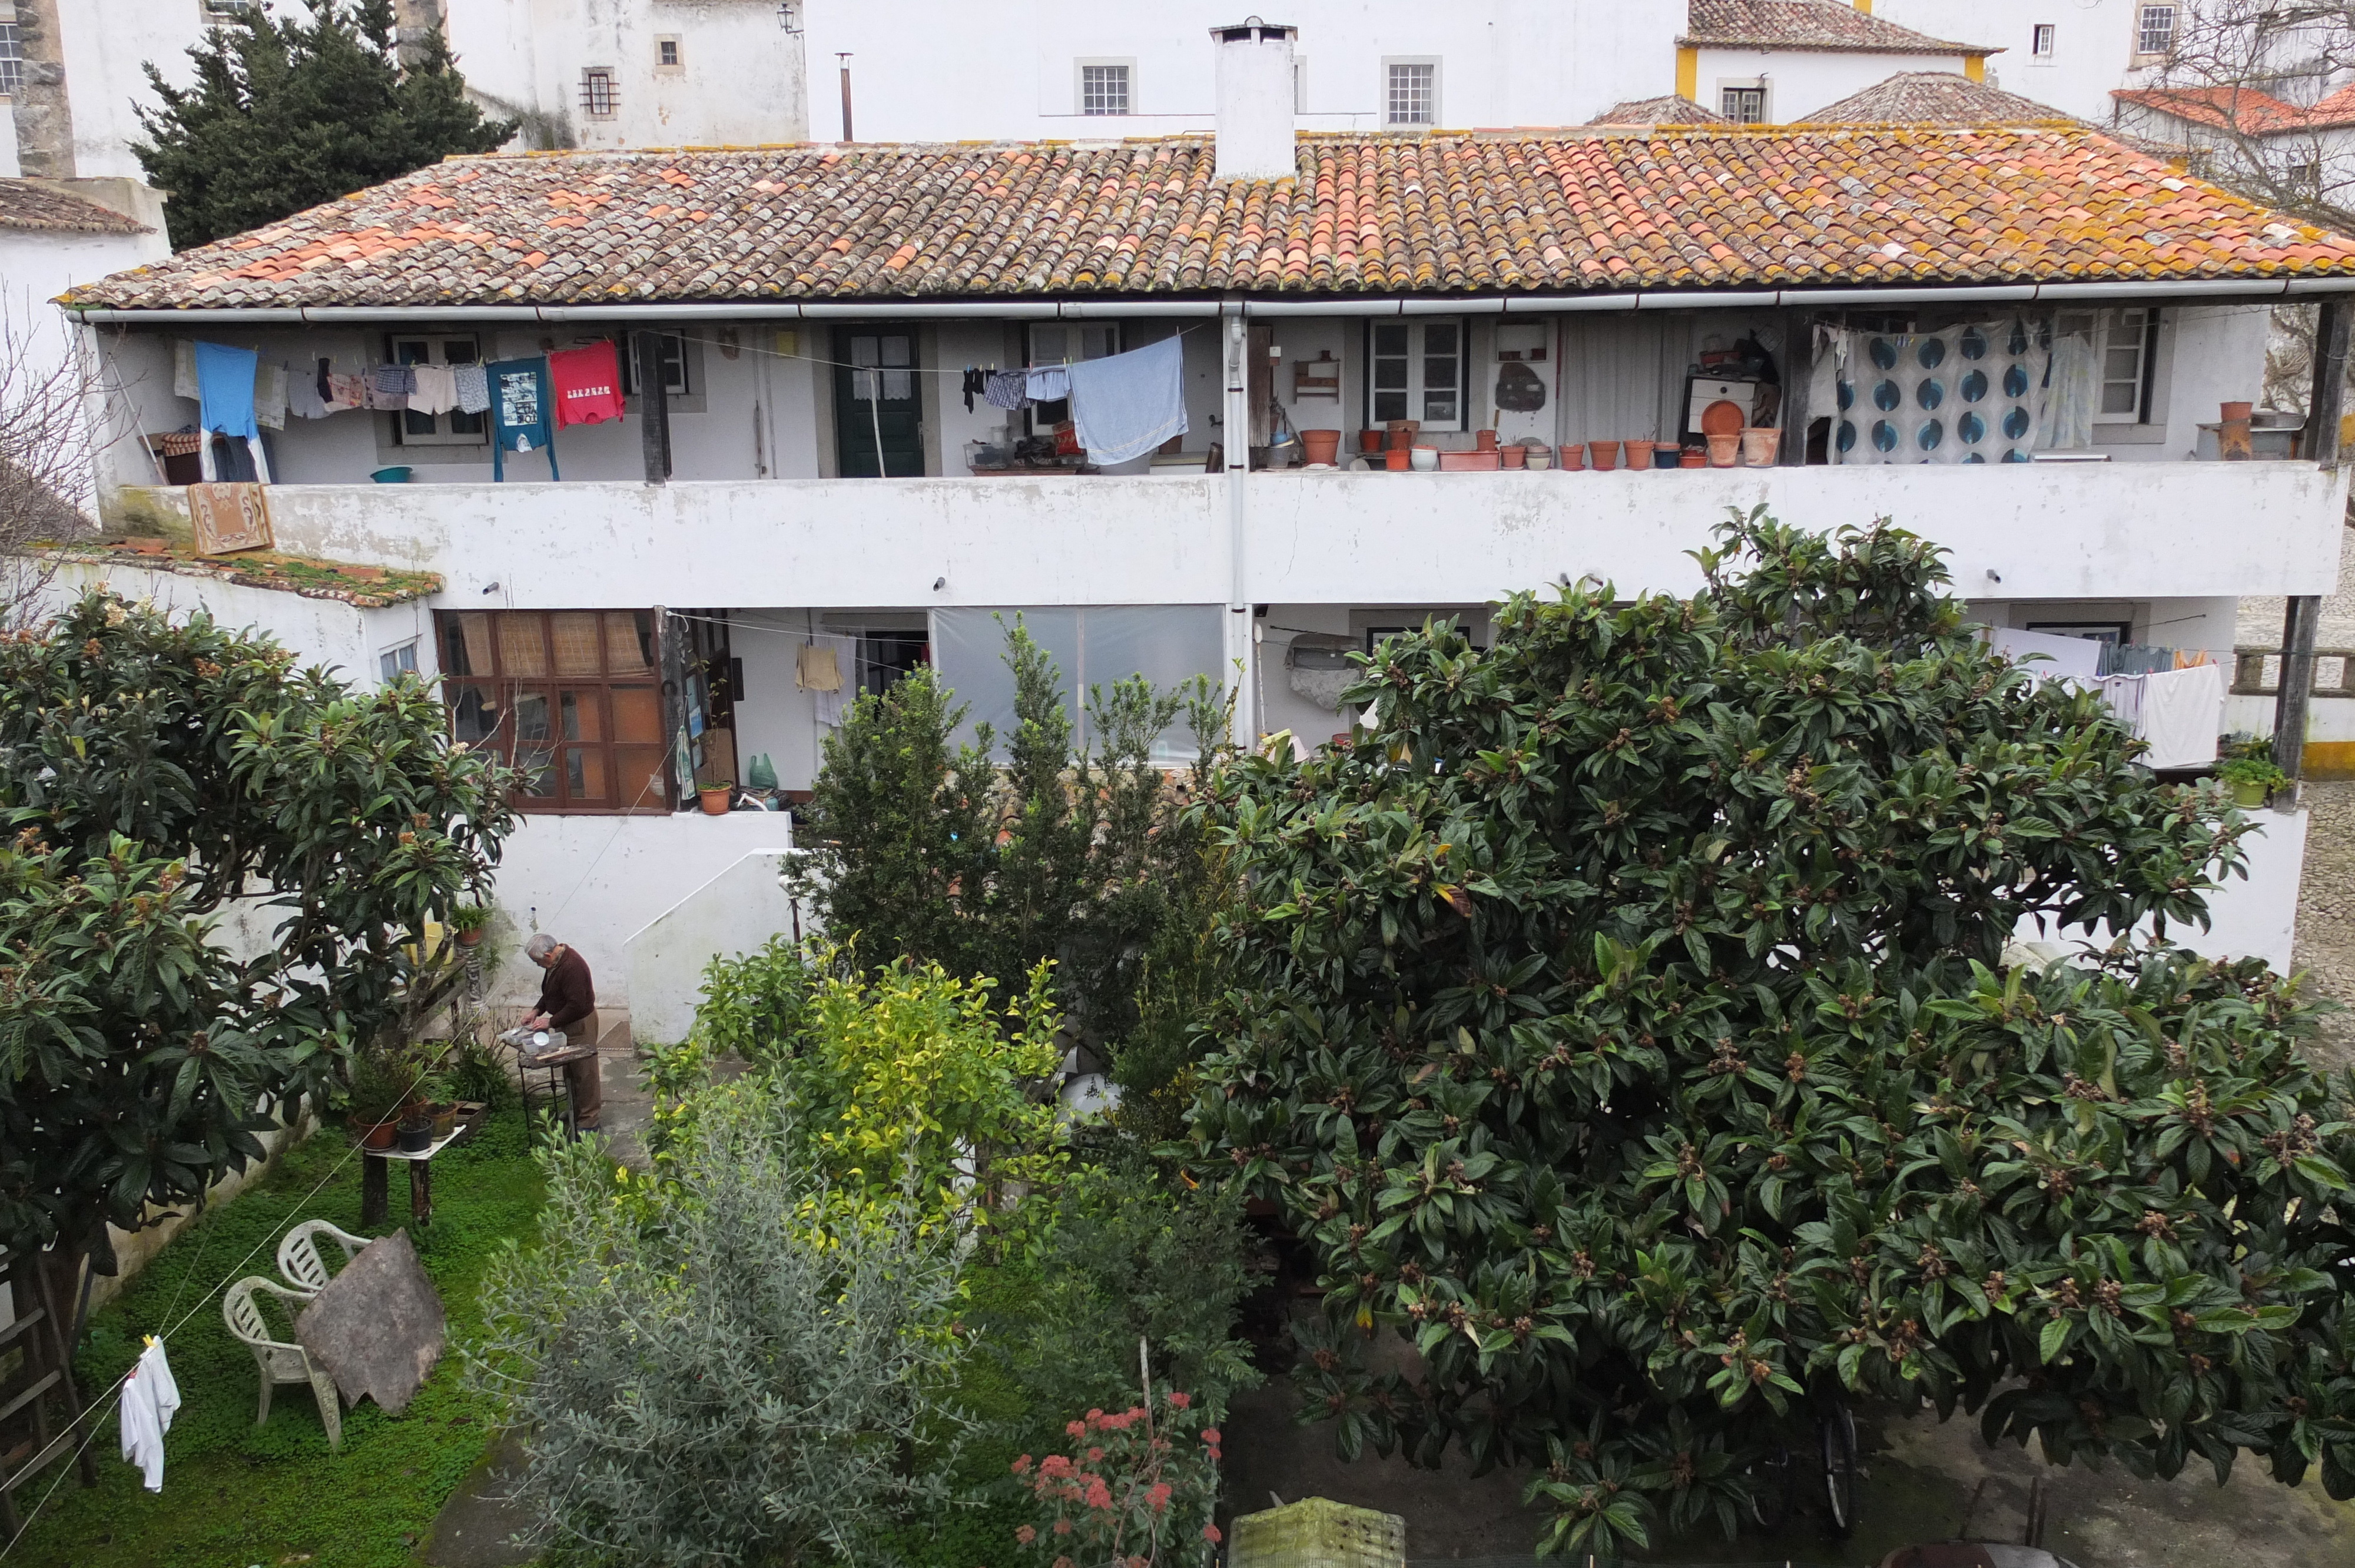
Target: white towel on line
<point>1125,405</point>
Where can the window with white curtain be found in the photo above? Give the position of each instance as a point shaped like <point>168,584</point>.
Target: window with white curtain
<point>2126,347</point>
<point>1417,373</point>
<point>1093,648</point>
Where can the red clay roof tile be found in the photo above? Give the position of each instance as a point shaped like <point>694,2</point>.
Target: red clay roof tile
<point>1703,208</point>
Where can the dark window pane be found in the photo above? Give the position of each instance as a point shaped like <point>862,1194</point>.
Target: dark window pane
<point>1390,339</point>
<point>473,713</point>
<point>531,717</point>
<point>1388,406</point>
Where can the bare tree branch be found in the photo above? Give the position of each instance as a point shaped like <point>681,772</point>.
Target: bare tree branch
<point>47,449</point>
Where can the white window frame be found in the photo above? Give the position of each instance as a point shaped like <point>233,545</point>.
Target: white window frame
<point>1065,342</point>
<point>12,57</point>
<point>1392,65</point>
<point>1757,84</point>
<point>2145,336</point>
<point>676,64</point>
<point>589,76</point>
<point>1079,68</point>
<point>1418,390</point>
<point>396,661</point>
<point>2043,43</point>
<point>1300,84</point>
<point>2144,17</point>
<point>222,10</point>
<point>437,349</point>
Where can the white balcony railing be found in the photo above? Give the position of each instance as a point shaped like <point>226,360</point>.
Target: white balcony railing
<point>2036,531</point>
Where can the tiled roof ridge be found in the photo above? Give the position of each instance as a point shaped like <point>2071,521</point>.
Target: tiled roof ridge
<point>1833,26</point>
<point>42,206</point>
<point>1938,98</point>
<point>1509,211</point>
<point>2251,110</point>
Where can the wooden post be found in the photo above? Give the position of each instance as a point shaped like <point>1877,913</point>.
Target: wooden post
<point>2296,687</point>
<point>1799,368</point>
<point>654,407</point>
<point>2324,407</point>
<point>674,703</point>
<point>374,1199</point>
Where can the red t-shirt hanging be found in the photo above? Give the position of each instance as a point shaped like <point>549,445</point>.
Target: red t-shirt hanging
<point>588,384</point>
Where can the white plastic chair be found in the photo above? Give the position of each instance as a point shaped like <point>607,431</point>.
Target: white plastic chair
<point>280,1360</point>
<point>300,1261</point>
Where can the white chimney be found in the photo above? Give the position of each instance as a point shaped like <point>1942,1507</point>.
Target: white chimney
<point>1255,100</point>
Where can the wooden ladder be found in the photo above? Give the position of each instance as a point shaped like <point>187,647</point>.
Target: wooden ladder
<point>40,1408</point>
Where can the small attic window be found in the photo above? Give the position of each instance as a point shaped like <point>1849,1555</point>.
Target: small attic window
<point>598,99</point>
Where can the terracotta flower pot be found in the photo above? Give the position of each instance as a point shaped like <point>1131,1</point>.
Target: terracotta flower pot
<point>1604,454</point>
<point>1320,446</point>
<point>716,801</point>
<point>1639,454</point>
<point>377,1135</point>
<point>1486,440</point>
<point>1536,456</point>
<point>1470,463</point>
<point>1573,456</point>
<point>1725,450</point>
<point>1759,444</point>
<point>1398,460</point>
<point>2233,411</point>
<point>1401,433</point>
<point>471,937</point>
<point>1515,457</point>
<point>1369,441</point>
<point>1692,456</point>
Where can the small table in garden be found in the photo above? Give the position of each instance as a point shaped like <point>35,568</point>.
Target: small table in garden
<point>553,1062</point>
<point>375,1178</point>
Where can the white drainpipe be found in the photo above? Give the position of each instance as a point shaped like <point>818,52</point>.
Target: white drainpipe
<point>1236,444</point>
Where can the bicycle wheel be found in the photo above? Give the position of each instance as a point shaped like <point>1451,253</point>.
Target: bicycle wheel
<point>1836,1431</point>
<point>1770,1489</point>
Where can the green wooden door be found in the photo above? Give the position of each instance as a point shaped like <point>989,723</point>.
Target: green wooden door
<point>877,412</point>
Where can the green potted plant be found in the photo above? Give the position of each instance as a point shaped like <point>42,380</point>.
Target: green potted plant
<point>468,921</point>
<point>379,1090</point>
<point>2250,780</point>
<point>717,798</point>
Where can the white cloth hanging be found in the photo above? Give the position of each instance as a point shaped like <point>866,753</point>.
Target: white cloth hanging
<point>2181,712</point>
<point>1967,395</point>
<point>149,1400</point>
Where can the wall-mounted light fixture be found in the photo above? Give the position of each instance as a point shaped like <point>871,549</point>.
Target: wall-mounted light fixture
<point>789,17</point>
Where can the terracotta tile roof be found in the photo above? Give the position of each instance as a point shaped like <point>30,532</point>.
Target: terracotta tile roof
<point>30,204</point>
<point>2244,108</point>
<point>1674,109</point>
<point>1935,98</point>
<point>1833,25</point>
<point>2334,112</point>
<point>1682,208</point>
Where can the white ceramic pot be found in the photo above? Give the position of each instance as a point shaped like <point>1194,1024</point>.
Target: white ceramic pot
<point>1426,459</point>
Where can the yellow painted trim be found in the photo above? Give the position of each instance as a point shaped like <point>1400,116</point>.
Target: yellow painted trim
<point>1687,74</point>
<point>1865,6</point>
<point>1975,68</point>
<point>2330,760</point>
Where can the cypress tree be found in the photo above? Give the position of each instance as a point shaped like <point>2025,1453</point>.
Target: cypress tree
<point>286,113</point>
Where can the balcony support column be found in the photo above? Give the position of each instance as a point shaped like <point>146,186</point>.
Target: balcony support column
<point>1235,443</point>
<point>1799,368</point>
<point>2296,692</point>
<point>654,407</point>
<point>2324,407</point>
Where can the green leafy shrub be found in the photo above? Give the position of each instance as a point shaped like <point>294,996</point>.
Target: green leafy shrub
<point>1619,1024</point>
<point>1117,1256</point>
<point>1139,1485</point>
<point>756,1005</point>
<point>725,1363</point>
<point>151,772</point>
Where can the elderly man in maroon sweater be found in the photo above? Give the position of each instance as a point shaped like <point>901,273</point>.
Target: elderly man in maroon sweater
<point>568,1001</point>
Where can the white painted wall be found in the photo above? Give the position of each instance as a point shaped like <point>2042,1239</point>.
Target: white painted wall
<point>344,637</point>
<point>734,913</point>
<point>927,70</point>
<point>2045,531</point>
<point>37,265</point>
<point>104,44</point>
<point>2251,919</point>
<point>592,882</point>
<point>1800,81</point>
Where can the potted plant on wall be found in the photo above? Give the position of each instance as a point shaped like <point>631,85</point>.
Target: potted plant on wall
<point>2250,780</point>
<point>717,798</point>
<point>468,922</point>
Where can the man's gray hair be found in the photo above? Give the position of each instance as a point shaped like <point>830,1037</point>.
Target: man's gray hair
<point>540,947</point>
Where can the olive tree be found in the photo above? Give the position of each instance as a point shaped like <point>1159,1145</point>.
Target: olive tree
<point>1621,1020</point>
<point>154,773</point>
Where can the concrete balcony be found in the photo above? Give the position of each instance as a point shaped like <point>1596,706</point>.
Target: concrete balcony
<point>2057,531</point>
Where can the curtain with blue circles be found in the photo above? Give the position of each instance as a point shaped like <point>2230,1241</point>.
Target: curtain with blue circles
<point>1969,394</point>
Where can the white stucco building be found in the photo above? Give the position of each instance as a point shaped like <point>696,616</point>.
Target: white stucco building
<point>810,491</point>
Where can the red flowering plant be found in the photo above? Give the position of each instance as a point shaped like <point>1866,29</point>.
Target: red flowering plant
<point>1136,1491</point>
